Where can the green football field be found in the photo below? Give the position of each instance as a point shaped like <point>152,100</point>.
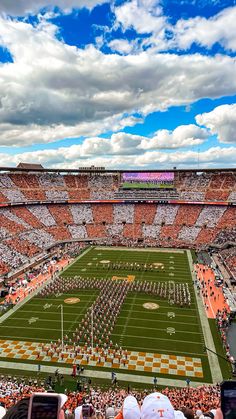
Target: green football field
<point>137,328</point>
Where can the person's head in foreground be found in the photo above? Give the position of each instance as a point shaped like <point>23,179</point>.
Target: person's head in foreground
<point>84,412</point>
<point>130,409</point>
<point>157,406</point>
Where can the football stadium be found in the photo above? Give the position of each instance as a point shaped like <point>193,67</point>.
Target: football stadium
<point>101,275</point>
<point>117,209</point>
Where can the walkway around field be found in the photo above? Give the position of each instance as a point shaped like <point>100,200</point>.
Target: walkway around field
<point>40,281</point>
<point>209,342</point>
<point>216,301</point>
<point>22,292</point>
<point>129,378</point>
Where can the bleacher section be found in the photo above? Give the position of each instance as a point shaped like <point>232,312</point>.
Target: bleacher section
<point>26,231</point>
<point>50,187</point>
<point>42,208</point>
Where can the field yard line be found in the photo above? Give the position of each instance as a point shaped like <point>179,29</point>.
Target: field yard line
<point>156,320</point>
<point>156,328</point>
<point>213,360</point>
<point>152,337</point>
<point>127,319</point>
<point>169,307</point>
<point>47,312</point>
<point>25,327</point>
<point>50,369</point>
<point>56,299</point>
<point>41,320</point>
<point>26,338</point>
<point>159,301</point>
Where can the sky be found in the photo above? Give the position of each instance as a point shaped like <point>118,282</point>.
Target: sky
<point>119,84</point>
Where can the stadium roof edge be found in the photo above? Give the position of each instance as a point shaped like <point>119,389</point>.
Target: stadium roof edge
<point>99,170</point>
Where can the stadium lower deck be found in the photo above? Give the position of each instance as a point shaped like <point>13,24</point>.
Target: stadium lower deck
<point>157,336</point>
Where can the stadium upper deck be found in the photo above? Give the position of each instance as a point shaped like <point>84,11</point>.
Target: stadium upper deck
<point>48,186</point>
<point>41,208</point>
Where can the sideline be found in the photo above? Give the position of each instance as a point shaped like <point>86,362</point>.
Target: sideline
<point>131,378</point>
<point>24,301</point>
<point>75,260</point>
<point>209,342</point>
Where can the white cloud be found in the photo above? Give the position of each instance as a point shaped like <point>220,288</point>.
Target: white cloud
<point>23,7</point>
<point>206,32</point>
<point>123,46</point>
<point>144,16</point>
<point>182,136</point>
<point>23,135</point>
<point>120,148</point>
<point>53,91</point>
<point>147,18</point>
<point>221,121</point>
<point>71,157</point>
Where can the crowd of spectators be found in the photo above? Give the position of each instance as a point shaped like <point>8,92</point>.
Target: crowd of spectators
<point>195,403</point>
<point>226,236</point>
<point>42,226</point>
<point>189,186</point>
<point>228,256</point>
<point>223,321</point>
<point>42,213</point>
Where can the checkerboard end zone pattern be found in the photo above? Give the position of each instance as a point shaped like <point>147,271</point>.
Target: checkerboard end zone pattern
<point>136,361</point>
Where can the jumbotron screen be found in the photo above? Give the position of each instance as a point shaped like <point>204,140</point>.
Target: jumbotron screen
<point>150,180</point>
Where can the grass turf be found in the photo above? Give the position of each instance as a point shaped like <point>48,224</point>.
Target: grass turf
<point>137,328</point>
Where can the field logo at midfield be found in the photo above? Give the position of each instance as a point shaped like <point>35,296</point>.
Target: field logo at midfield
<point>128,278</point>
<point>151,306</point>
<point>72,300</point>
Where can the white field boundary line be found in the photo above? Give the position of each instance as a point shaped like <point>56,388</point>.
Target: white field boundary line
<point>213,359</point>
<point>77,258</point>
<point>141,250</point>
<point>159,321</point>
